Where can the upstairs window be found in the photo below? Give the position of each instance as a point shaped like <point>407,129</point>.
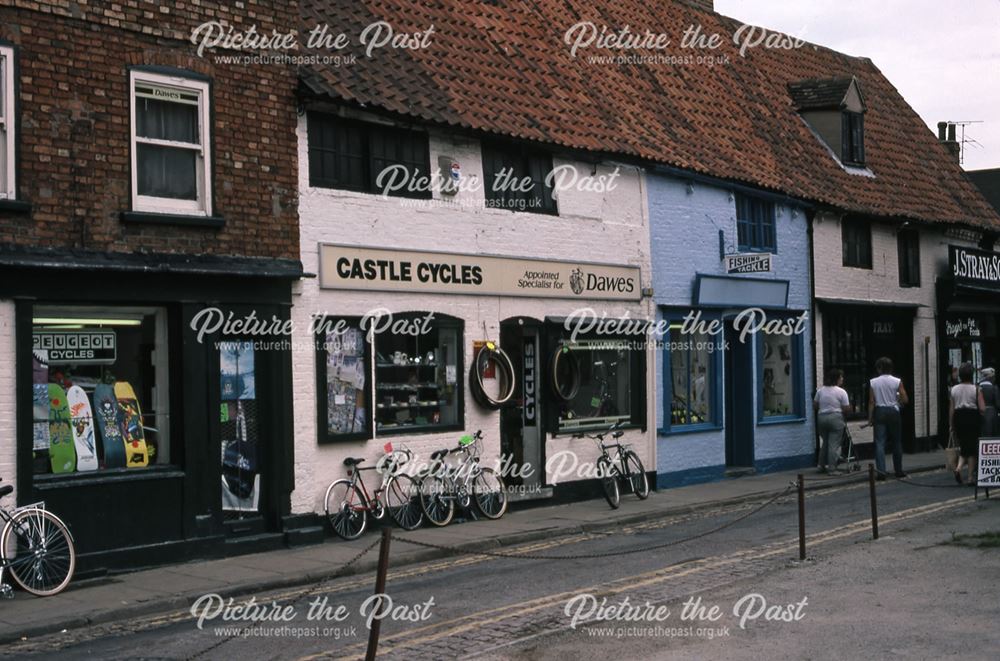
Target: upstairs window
<point>368,158</point>
<point>7,187</point>
<point>856,234</point>
<point>171,144</point>
<point>515,178</point>
<point>755,225</point>
<point>852,149</point>
<point>908,246</point>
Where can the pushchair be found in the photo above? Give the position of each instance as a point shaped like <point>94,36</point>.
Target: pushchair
<point>848,461</point>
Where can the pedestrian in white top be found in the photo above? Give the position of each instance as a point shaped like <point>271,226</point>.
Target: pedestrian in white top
<point>886,397</point>
<point>831,404</point>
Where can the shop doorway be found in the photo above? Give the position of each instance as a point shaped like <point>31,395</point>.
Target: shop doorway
<point>521,432</point>
<point>738,367</point>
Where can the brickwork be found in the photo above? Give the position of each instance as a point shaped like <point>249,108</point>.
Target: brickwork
<point>73,60</point>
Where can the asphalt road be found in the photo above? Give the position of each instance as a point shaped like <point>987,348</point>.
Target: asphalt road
<point>518,608</point>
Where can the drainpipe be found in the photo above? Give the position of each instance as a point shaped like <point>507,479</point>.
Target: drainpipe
<point>810,217</point>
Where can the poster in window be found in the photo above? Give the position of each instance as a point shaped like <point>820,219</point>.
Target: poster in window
<point>345,381</point>
<point>239,427</point>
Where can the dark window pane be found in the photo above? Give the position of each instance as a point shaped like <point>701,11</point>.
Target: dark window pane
<point>163,120</point>
<point>166,172</point>
<point>755,227</point>
<point>515,178</point>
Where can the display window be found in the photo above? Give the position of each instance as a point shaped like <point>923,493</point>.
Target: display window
<point>693,373</point>
<point>780,382</point>
<point>99,389</point>
<point>239,426</point>
<point>398,378</point>
<point>593,378</point>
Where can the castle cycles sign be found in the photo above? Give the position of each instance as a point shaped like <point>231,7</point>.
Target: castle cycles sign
<point>978,268</point>
<point>749,263</point>
<point>378,269</point>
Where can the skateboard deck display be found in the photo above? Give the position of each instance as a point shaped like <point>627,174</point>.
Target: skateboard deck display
<point>82,421</point>
<point>130,416</point>
<point>62,450</point>
<point>106,414</point>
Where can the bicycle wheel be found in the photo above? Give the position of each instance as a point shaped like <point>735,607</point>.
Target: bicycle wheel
<point>38,551</point>
<point>489,493</point>
<point>609,481</point>
<point>402,499</point>
<point>346,508</point>
<point>637,475</point>
<point>436,500</point>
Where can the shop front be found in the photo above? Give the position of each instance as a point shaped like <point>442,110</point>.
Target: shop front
<point>149,414</point>
<point>398,360</point>
<point>968,297</point>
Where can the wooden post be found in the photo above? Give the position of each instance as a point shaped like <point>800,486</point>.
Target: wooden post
<point>871,490</point>
<point>802,517</point>
<point>383,568</point>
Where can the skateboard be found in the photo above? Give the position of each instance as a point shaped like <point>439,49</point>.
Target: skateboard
<point>106,413</point>
<point>62,453</point>
<point>82,421</point>
<point>130,416</point>
<point>40,417</point>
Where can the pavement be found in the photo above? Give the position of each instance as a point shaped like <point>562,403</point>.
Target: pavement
<point>176,587</point>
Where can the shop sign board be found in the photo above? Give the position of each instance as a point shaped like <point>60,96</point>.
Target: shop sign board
<point>757,262</point>
<point>961,327</point>
<point>86,346</point>
<point>970,266</point>
<point>989,463</point>
<point>529,381</point>
<point>379,269</point>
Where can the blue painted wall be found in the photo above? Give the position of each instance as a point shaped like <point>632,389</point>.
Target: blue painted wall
<point>685,220</point>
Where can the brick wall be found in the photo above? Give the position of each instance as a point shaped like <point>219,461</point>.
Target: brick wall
<point>74,125</point>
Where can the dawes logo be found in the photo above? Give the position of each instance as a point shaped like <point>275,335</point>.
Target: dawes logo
<point>581,282</point>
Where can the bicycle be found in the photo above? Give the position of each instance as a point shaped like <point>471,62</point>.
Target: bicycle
<point>36,548</point>
<point>443,485</point>
<point>348,504</point>
<point>631,469</point>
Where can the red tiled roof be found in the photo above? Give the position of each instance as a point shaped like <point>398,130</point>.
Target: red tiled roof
<point>501,66</point>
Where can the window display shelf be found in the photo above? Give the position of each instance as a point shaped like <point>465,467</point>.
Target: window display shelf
<point>383,365</point>
<point>416,405</point>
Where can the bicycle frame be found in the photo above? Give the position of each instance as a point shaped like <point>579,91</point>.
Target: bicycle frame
<point>372,501</point>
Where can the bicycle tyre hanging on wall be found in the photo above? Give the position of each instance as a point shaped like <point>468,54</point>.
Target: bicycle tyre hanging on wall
<point>564,386</point>
<point>491,353</point>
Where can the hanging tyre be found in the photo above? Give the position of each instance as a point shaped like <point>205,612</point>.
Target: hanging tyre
<point>491,353</point>
<point>564,373</point>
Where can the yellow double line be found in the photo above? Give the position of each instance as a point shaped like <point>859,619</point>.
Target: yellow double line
<point>485,618</point>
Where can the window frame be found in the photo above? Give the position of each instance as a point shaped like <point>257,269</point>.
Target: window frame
<point>908,256</point>
<point>850,233</point>
<point>763,217</point>
<point>368,131</point>
<point>852,144</point>
<point>521,159</point>
<point>8,121</point>
<point>716,397</point>
<point>797,343</point>
<point>189,83</point>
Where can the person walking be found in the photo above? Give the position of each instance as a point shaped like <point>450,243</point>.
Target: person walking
<point>831,404</point>
<point>886,396</point>
<point>987,386</point>
<point>966,420</point>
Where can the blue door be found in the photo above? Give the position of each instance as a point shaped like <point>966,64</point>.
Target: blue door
<point>739,400</point>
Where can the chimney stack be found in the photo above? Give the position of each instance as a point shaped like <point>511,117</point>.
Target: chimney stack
<point>946,134</point>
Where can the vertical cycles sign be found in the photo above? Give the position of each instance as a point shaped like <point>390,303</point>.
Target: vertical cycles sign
<point>378,269</point>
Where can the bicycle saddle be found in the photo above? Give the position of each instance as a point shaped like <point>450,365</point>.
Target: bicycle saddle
<point>351,461</point>
<point>438,454</point>
<point>6,489</point>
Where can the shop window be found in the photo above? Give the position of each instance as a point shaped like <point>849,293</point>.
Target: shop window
<point>908,245</point>
<point>755,224</point>
<point>7,183</point>
<point>100,389</point>
<point>171,144</point>
<point>515,178</point>
<point>691,362</point>
<point>846,345</point>
<point>368,158</point>
<point>604,372</point>
<point>852,150</point>
<point>856,235</point>
<point>781,377</point>
<point>239,426</point>
<point>343,369</point>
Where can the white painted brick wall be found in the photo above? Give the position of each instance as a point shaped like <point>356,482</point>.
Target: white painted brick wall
<point>610,227</point>
<point>8,390</point>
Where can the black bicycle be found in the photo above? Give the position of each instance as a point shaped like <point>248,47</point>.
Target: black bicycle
<point>626,466</point>
<point>36,548</point>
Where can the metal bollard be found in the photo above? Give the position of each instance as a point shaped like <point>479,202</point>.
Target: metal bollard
<point>871,490</point>
<point>802,517</point>
<point>383,568</point>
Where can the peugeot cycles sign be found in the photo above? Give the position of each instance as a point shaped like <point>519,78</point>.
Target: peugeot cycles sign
<point>379,269</point>
<point>87,346</point>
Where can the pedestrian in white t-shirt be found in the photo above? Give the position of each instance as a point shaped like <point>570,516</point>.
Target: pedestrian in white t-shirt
<point>831,404</point>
